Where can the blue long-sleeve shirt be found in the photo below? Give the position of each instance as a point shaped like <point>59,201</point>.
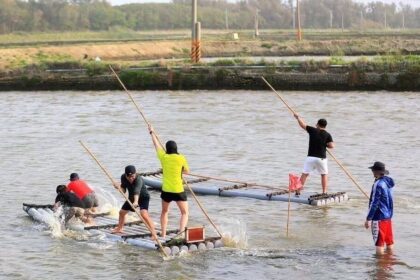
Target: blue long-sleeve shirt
<point>381,202</point>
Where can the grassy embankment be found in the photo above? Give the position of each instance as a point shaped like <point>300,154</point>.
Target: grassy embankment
<point>30,55</point>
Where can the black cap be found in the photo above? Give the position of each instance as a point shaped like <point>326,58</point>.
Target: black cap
<point>74,177</point>
<point>129,170</point>
<point>379,166</point>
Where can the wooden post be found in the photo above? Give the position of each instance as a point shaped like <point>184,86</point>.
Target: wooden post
<point>288,217</point>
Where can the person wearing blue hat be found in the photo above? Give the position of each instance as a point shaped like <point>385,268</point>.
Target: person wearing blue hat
<point>381,209</point>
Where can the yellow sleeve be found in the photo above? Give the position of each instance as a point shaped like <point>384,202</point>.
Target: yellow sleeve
<point>185,165</point>
<point>160,154</point>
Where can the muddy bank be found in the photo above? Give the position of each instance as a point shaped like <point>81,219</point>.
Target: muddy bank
<point>339,77</point>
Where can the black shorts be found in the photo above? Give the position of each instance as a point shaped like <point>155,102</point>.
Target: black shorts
<point>143,203</point>
<point>168,196</point>
<point>90,200</point>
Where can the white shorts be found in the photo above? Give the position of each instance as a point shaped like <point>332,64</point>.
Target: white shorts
<point>315,163</point>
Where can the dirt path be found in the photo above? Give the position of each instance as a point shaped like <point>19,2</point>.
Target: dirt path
<point>136,51</point>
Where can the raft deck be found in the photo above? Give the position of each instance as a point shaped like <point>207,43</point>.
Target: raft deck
<point>202,186</point>
<point>135,232</point>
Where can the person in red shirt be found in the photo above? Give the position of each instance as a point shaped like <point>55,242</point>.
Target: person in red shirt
<point>81,189</point>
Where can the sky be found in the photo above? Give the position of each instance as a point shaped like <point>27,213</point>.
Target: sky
<point>413,3</point>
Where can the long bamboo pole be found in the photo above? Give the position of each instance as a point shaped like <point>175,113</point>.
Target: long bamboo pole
<point>157,137</point>
<point>202,208</point>
<point>288,217</point>
<point>114,183</point>
<point>132,100</point>
<point>329,152</point>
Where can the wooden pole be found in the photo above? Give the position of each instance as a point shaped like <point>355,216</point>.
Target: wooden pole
<point>201,207</point>
<point>129,95</point>
<point>132,100</point>
<point>288,217</point>
<point>329,152</point>
<point>348,173</point>
<point>114,183</point>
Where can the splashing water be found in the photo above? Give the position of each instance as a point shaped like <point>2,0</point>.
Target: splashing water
<point>234,234</point>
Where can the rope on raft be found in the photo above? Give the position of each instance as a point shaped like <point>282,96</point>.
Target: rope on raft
<point>269,195</point>
<point>204,179</point>
<point>234,187</point>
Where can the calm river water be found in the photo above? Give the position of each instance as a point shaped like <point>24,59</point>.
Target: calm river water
<point>242,135</point>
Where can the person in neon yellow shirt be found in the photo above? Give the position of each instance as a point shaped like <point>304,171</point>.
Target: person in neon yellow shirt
<point>173,166</point>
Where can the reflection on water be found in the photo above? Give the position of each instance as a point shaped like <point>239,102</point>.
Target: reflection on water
<point>249,136</point>
<point>383,267</point>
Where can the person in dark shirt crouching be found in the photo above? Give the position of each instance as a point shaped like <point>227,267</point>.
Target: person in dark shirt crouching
<point>72,205</point>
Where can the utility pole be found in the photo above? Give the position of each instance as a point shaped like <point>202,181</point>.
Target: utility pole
<point>226,19</point>
<point>403,19</point>
<point>195,35</point>
<point>361,19</point>
<point>331,19</point>
<point>299,31</point>
<point>385,25</point>
<point>342,22</point>
<point>194,18</point>
<point>257,32</point>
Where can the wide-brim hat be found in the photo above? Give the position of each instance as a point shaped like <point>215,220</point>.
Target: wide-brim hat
<point>379,166</point>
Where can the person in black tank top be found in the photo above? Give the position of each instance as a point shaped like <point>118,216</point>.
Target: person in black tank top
<point>319,141</point>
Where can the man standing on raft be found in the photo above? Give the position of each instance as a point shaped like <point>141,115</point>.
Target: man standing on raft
<point>319,141</point>
<point>138,196</point>
<point>173,166</point>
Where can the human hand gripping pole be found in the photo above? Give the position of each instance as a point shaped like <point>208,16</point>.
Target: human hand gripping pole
<point>329,152</point>
<point>114,183</point>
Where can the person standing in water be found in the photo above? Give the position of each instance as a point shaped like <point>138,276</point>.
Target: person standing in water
<point>381,207</point>
<point>173,166</point>
<point>319,141</point>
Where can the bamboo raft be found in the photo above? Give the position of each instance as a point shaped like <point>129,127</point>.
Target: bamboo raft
<point>135,232</point>
<point>203,186</point>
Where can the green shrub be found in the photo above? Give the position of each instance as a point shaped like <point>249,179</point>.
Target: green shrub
<point>94,68</point>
